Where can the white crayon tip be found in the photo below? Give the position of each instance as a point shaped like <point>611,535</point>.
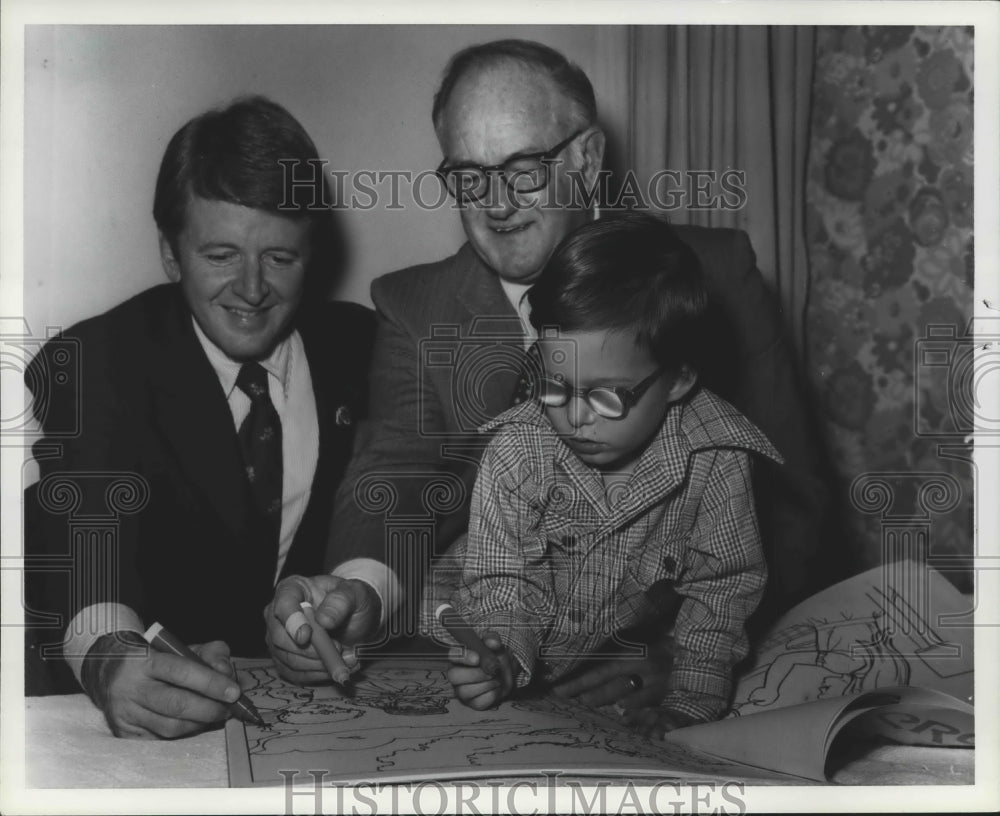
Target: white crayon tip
<point>152,632</point>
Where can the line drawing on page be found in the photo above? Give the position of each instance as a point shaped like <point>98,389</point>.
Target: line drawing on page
<point>404,721</point>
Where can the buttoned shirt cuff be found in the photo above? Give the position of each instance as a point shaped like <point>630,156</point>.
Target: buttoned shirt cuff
<point>702,677</point>
<point>699,689</point>
<point>379,577</point>
<point>93,622</point>
<point>703,707</point>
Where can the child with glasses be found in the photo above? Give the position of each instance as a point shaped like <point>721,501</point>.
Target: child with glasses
<point>621,475</point>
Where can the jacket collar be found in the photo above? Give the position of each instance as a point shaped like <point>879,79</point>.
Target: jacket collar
<point>227,370</point>
<point>489,321</point>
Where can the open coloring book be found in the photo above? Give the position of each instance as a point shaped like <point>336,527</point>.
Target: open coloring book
<point>402,723</point>
<point>852,656</point>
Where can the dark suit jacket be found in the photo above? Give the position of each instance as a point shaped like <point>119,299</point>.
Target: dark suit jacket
<point>444,362</point>
<point>151,417</point>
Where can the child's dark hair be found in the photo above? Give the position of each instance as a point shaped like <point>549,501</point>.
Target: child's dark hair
<point>630,273</point>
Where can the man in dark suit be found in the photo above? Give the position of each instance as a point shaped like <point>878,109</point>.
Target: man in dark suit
<point>517,126</point>
<point>216,416</point>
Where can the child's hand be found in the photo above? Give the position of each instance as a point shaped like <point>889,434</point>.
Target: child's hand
<point>655,722</point>
<point>473,686</point>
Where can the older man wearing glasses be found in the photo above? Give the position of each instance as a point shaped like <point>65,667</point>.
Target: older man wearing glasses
<point>515,121</point>
<point>517,124</point>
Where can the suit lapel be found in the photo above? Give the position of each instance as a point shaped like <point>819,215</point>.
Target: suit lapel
<point>490,317</point>
<point>326,349</point>
<point>192,413</point>
<point>480,291</point>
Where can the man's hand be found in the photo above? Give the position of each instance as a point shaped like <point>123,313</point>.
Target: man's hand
<point>146,694</point>
<point>348,609</point>
<point>630,682</point>
<point>473,686</point>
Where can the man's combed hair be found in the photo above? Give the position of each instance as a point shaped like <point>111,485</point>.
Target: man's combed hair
<point>569,78</point>
<point>628,274</point>
<point>234,154</point>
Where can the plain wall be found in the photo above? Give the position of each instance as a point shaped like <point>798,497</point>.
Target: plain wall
<point>103,101</point>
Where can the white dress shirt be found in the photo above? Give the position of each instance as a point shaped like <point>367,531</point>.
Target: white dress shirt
<point>290,388</point>
<point>517,294</point>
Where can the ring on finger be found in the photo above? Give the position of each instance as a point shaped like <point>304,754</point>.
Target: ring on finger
<point>634,682</point>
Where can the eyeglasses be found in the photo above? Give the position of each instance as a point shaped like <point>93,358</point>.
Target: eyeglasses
<point>522,173</point>
<point>609,402</point>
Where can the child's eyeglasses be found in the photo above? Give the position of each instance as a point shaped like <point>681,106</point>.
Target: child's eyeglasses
<point>610,402</point>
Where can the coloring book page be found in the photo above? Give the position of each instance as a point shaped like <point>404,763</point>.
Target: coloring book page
<point>402,722</point>
<point>900,625</point>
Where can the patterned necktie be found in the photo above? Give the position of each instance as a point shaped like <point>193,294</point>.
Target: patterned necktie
<point>529,367</point>
<point>260,440</point>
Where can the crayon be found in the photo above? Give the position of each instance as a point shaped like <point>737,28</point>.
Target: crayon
<point>328,653</point>
<point>664,601</point>
<point>458,628</point>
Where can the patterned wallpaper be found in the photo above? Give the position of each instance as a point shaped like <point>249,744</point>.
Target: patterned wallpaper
<point>889,221</point>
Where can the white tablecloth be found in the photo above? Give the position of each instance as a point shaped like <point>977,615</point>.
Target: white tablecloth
<point>68,745</point>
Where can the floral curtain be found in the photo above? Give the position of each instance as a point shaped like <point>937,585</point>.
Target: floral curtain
<point>889,225</point>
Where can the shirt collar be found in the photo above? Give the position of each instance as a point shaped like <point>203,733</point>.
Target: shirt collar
<point>227,369</point>
<point>528,412</point>
<point>515,292</point>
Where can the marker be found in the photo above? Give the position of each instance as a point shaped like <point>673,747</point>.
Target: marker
<point>328,653</point>
<point>161,640</point>
<point>458,628</point>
